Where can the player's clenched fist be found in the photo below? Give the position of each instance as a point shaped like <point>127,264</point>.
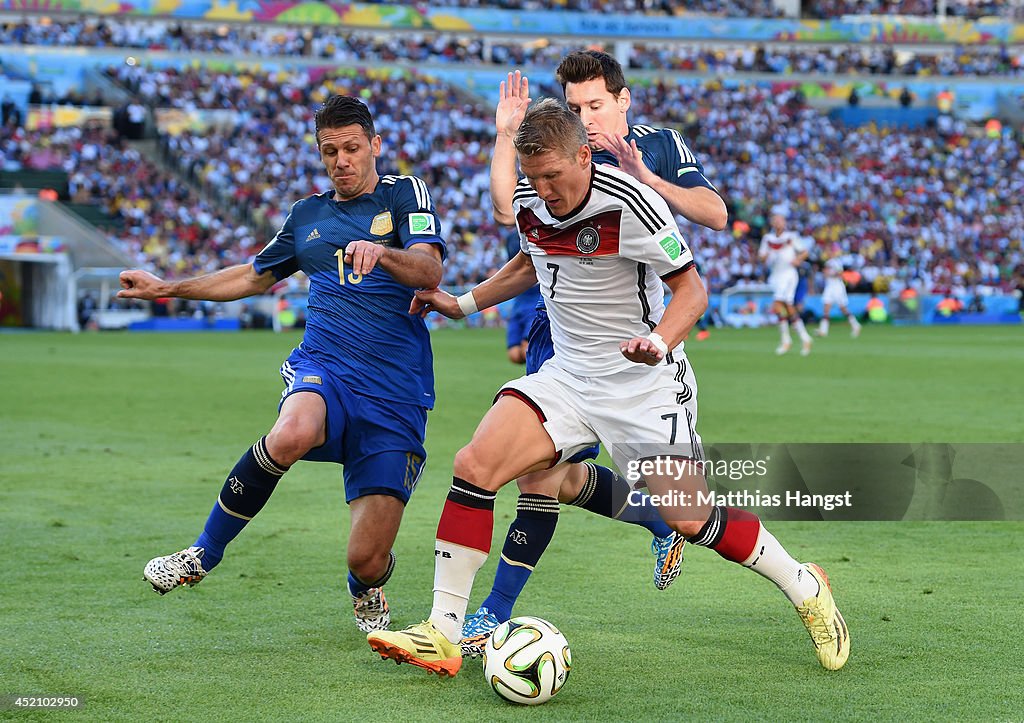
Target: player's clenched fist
<point>363,256</point>
<point>136,284</point>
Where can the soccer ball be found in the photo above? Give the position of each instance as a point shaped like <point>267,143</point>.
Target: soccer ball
<point>527,660</point>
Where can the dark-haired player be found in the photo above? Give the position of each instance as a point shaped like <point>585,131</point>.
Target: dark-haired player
<point>358,387</point>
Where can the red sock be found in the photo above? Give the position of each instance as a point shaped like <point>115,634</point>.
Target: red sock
<point>466,526</point>
<point>463,541</point>
<point>731,532</point>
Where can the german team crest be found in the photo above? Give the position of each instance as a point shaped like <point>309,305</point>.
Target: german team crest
<point>382,224</point>
<point>588,240</point>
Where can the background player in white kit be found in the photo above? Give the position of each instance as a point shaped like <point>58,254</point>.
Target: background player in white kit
<point>783,251</point>
<point>601,244</point>
<point>835,294</point>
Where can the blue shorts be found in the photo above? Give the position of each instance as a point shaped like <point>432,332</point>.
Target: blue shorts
<point>801,290</point>
<point>518,327</point>
<point>379,442</point>
<point>541,349</point>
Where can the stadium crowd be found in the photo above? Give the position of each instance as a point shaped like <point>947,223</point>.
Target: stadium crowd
<point>937,207</point>
<point>970,9</point>
<point>834,60</point>
<point>725,8</point>
<point>348,47</point>
<point>162,222</point>
<point>263,40</point>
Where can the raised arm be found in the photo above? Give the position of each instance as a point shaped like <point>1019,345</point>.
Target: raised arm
<point>512,279</point>
<point>234,282</point>
<point>514,99</point>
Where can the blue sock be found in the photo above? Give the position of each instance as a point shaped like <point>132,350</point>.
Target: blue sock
<point>246,490</point>
<point>606,493</point>
<point>357,587</point>
<point>528,537</point>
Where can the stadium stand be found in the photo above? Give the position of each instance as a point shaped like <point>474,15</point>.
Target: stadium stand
<point>933,206</point>
<point>894,203</point>
<point>726,8</point>
<point>325,42</point>
<point>971,9</point>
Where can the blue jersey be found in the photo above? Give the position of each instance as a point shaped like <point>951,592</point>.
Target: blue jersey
<point>358,326</point>
<point>664,152</point>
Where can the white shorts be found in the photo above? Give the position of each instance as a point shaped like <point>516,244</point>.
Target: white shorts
<point>835,294</point>
<point>638,413</point>
<point>784,286</point>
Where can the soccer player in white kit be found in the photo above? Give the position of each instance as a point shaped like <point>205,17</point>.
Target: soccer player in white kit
<point>835,294</point>
<point>601,244</point>
<point>783,251</point>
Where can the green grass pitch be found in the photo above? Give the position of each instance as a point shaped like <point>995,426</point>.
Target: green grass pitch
<point>114,448</point>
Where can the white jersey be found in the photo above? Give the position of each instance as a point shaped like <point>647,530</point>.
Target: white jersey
<point>780,250</point>
<point>834,293</point>
<point>834,275</point>
<point>601,268</point>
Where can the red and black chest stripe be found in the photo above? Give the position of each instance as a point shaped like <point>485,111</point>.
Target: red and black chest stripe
<point>594,236</point>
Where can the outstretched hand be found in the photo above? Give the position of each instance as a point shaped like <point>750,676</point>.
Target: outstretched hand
<point>641,351</point>
<point>627,154</point>
<point>427,300</point>
<point>137,284</point>
<point>514,97</point>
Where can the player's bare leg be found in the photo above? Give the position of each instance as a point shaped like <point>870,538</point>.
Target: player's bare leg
<point>823,324</point>
<point>300,426</point>
<point>508,442</point>
<point>854,324</point>
<point>739,536</point>
<point>374,524</point>
<point>797,323</point>
<point>783,312</point>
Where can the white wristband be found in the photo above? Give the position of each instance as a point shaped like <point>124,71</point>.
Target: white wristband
<point>467,303</point>
<point>656,339</point>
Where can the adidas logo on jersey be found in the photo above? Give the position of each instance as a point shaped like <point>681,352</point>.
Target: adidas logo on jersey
<point>314,234</point>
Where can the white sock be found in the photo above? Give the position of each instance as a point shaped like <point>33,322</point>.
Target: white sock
<point>853,321</point>
<point>823,327</point>
<point>784,332</point>
<point>770,559</point>
<point>801,330</point>
<point>455,567</point>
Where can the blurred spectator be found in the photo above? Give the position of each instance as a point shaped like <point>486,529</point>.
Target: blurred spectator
<point>10,112</point>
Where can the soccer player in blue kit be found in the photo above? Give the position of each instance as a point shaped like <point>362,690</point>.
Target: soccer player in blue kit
<point>524,308</point>
<point>358,387</point>
<point>595,89</point>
